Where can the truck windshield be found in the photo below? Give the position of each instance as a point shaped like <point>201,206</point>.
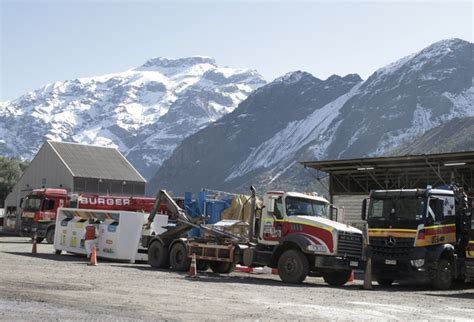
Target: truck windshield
<point>32,204</point>
<point>404,208</point>
<point>306,207</point>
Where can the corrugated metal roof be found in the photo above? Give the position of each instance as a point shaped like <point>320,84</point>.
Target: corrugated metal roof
<point>90,161</point>
<point>408,171</point>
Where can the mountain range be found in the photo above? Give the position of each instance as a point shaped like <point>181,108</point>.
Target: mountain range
<point>187,123</point>
<point>145,112</point>
<point>300,117</point>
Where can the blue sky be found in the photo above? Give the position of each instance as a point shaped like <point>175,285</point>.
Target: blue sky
<point>47,41</point>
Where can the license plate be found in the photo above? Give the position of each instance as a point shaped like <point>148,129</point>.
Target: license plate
<point>390,262</point>
<point>353,264</point>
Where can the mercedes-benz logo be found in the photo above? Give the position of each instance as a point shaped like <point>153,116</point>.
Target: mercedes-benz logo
<point>390,241</point>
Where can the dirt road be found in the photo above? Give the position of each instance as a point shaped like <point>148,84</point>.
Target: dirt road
<point>51,287</point>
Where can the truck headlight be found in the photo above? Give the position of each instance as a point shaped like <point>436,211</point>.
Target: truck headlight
<point>417,262</point>
<point>316,248</point>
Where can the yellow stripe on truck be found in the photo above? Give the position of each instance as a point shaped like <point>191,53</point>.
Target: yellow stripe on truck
<point>436,239</point>
<point>470,250</point>
<point>407,233</point>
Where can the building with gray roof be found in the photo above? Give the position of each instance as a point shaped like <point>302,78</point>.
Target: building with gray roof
<point>78,168</point>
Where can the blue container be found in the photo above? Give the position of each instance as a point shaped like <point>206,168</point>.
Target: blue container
<point>205,205</point>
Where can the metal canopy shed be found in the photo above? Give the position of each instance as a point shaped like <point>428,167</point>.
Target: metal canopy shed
<point>351,180</point>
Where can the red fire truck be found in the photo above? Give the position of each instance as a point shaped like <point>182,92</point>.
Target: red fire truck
<point>39,208</point>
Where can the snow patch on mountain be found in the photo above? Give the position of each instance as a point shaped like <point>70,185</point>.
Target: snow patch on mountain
<point>283,146</point>
<point>462,103</point>
<point>423,121</point>
<point>291,77</point>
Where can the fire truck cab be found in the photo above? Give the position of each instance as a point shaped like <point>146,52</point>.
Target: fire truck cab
<point>39,211</point>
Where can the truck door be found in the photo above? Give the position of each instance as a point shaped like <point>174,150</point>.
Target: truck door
<point>270,226</point>
<point>440,222</point>
<point>48,208</point>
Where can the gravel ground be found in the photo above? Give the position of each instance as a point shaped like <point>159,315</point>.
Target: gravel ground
<point>46,286</point>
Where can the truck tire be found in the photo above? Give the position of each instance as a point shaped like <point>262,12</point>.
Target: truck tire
<point>337,278</point>
<point>293,266</point>
<point>158,255</point>
<point>202,266</point>
<point>385,282</point>
<point>39,239</point>
<point>50,236</point>
<point>179,259</point>
<point>58,251</point>
<point>222,267</point>
<point>443,275</point>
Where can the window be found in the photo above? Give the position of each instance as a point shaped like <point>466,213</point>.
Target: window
<point>79,185</point>
<point>92,185</point>
<point>32,204</point>
<point>48,204</point>
<point>104,187</point>
<point>306,207</point>
<point>435,209</point>
<point>139,189</point>
<point>397,208</point>
<point>278,210</point>
<point>116,188</point>
<point>127,188</point>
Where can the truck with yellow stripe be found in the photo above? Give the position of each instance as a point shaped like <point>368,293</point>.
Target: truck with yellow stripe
<point>420,234</point>
<point>292,232</point>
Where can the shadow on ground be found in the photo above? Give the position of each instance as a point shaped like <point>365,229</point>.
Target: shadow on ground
<point>60,258</point>
<point>18,239</point>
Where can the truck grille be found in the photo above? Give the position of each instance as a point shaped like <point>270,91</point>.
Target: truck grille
<point>396,248</point>
<point>349,245</point>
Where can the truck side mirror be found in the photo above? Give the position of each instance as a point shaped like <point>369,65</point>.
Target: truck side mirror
<point>270,205</point>
<point>363,214</point>
<point>468,218</point>
<point>337,213</point>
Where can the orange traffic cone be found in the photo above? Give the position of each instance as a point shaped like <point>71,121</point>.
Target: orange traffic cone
<point>93,261</point>
<point>351,278</point>
<point>34,248</point>
<point>193,267</point>
<point>368,275</point>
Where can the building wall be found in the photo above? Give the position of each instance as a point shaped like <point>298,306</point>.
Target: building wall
<point>109,187</point>
<point>352,207</point>
<point>46,170</point>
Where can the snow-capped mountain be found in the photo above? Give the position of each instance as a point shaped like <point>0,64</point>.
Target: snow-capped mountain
<point>299,117</point>
<point>145,111</point>
<point>453,136</point>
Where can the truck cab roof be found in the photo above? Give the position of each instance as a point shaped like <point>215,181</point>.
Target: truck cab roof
<point>411,192</point>
<point>306,196</point>
<point>50,191</point>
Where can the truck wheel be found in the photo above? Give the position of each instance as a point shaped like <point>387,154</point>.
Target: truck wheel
<point>158,255</point>
<point>385,282</point>
<point>50,236</point>
<point>202,266</point>
<point>337,278</point>
<point>39,239</point>
<point>293,266</point>
<point>222,267</point>
<point>58,251</point>
<point>443,275</point>
<point>179,259</point>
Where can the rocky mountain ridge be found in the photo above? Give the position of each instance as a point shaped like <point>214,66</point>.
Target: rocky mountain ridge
<point>261,142</point>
